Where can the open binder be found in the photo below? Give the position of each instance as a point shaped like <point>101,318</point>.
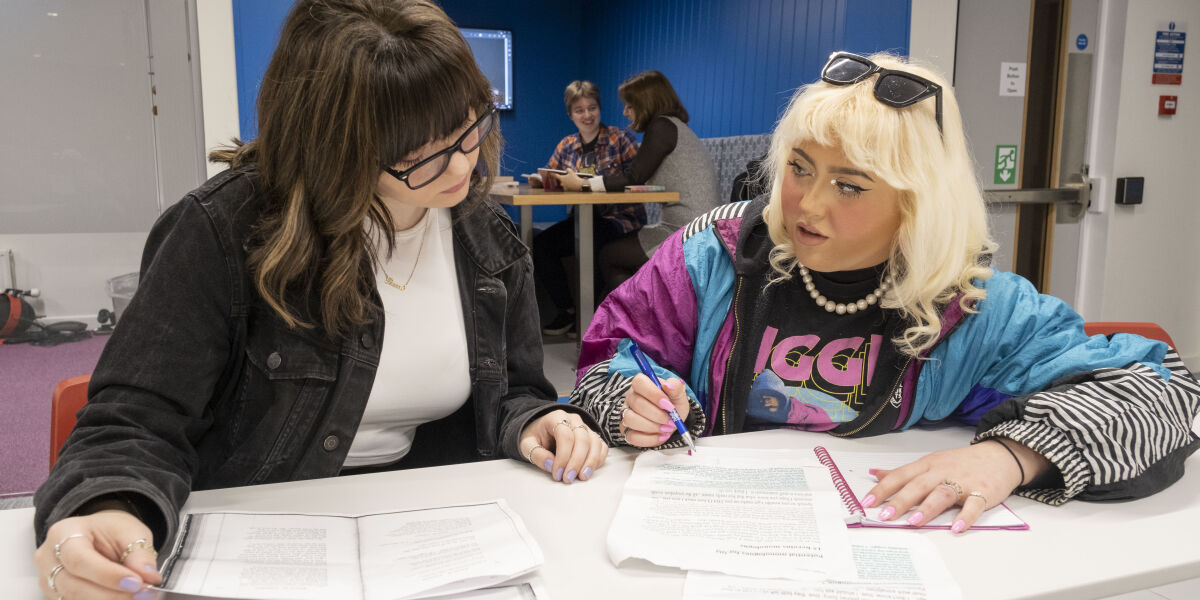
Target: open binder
<point>853,482</point>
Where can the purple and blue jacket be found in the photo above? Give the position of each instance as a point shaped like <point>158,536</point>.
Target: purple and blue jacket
<point>1114,415</point>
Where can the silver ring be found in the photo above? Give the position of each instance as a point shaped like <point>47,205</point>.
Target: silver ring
<point>580,426</point>
<point>563,422</point>
<point>980,496</point>
<point>50,578</point>
<point>529,455</point>
<point>59,545</point>
<point>954,486</point>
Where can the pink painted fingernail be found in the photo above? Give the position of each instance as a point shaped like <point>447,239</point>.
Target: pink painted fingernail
<point>665,404</point>
<point>916,518</point>
<point>886,513</point>
<point>670,384</point>
<point>665,428</point>
<point>958,526</point>
<point>664,437</point>
<point>873,471</point>
<point>869,501</point>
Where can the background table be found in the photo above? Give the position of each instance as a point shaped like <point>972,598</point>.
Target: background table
<point>1079,550</point>
<point>526,198</point>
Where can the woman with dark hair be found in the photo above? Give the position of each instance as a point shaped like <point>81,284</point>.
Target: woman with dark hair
<point>255,349</point>
<point>671,156</point>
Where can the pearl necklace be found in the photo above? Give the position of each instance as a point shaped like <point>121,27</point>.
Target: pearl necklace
<point>838,307</point>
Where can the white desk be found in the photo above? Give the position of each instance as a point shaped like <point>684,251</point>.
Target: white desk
<point>1080,550</point>
<point>525,198</point>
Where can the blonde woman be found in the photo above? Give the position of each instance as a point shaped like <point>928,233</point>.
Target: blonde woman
<point>856,299</point>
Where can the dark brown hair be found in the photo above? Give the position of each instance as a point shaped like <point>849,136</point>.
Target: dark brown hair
<point>577,90</point>
<point>353,85</point>
<point>650,95</point>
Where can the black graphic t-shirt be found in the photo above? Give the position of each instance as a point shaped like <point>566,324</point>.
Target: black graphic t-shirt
<point>587,158</point>
<point>815,369</point>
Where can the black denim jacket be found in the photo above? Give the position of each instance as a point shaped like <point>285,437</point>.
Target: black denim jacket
<point>203,386</point>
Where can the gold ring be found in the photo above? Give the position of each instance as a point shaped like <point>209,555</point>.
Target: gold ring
<point>50,578</point>
<point>980,496</point>
<point>580,426</point>
<point>139,543</point>
<point>58,546</point>
<point>954,486</point>
<point>529,455</point>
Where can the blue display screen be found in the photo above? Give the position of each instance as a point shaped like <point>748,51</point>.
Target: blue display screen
<point>493,54</point>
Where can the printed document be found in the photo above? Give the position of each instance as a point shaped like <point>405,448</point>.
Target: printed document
<point>384,556</point>
<point>755,513</point>
<point>888,565</point>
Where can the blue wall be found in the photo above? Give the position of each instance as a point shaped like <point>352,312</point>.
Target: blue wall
<point>546,55</point>
<point>256,25</point>
<point>734,63</point>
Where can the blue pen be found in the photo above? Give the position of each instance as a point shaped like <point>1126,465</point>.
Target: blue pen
<point>644,365</point>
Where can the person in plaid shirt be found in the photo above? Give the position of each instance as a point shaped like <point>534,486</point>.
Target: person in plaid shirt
<point>596,149</point>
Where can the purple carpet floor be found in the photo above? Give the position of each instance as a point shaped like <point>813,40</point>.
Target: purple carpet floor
<point>28,376</point>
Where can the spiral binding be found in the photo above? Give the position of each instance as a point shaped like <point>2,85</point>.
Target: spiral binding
<point>839,482</point>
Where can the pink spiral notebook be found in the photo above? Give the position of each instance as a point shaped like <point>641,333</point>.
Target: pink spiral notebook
<point>850,477</point>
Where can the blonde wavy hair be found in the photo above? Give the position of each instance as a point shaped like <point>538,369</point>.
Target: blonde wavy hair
<point>942,245</point>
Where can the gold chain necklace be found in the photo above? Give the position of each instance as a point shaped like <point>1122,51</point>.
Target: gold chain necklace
<point>402,286</point>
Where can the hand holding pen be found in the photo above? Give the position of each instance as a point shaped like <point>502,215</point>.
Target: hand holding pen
<point>654,410</point>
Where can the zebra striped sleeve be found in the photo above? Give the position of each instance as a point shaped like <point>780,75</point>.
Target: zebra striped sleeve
<point>602,395</point>
<point>701,222</point>
<point>1120,433</point>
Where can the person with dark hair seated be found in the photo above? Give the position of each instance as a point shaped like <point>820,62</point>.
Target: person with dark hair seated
<point>255,349</point>
<point>671,156</point>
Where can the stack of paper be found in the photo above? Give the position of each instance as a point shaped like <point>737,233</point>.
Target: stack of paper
<point>755,523</point>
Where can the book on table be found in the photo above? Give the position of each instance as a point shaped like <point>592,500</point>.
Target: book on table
<point>382,556</point>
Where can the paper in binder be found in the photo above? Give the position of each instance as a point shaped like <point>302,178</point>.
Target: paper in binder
<point>853,481</point>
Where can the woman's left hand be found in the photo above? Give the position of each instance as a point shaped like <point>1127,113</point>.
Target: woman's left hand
<point>975,478</point>
<point>571,182</point>
<point>560,443</point>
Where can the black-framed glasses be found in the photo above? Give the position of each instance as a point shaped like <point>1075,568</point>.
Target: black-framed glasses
<point>432,167</point>
<point>893,88</point>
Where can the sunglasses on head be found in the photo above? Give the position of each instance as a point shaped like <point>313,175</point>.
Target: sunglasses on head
<point>893,88</point>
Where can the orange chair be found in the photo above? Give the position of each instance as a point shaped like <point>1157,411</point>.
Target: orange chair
<point>69,397</point>
<point>1147,330</point>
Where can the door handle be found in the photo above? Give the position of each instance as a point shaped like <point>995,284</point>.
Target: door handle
<point>1072,199</point>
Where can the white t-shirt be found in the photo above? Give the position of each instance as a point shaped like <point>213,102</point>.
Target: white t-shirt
<point>423,372</point>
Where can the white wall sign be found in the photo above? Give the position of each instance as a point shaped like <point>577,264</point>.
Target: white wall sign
<point>1012,79</point>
